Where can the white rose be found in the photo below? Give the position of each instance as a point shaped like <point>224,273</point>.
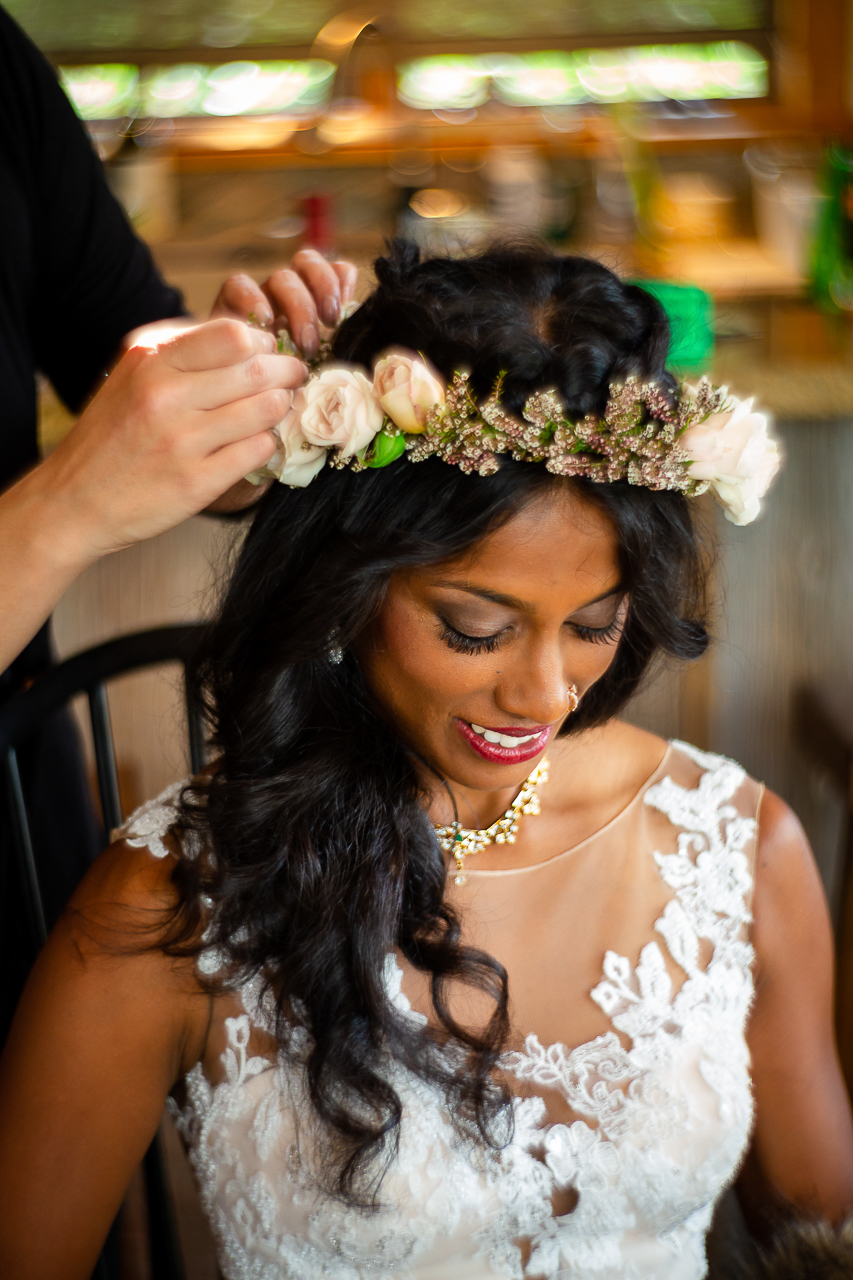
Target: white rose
<point>296,461</point>
<point>340,409</point>
<point>407,388</point>
<point>734,451</point>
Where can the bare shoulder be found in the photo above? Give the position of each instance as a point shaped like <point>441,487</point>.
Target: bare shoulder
<point>789,905</point>
<point>127,891</point>
<point>105,957</point>
<point>785,864</point>
<point>107,1022</point>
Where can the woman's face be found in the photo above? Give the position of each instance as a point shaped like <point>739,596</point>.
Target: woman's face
<point>489,643</point>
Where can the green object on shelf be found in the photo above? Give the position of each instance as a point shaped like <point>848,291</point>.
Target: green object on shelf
<point>690,312</point>
<point>832,257</point>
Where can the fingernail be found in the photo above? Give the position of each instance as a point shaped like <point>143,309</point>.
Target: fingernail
<point>309,340</point>
<point>268,342</point>
<point>331,310</point>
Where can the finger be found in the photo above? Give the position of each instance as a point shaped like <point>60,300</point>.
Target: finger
<point>242,297</point>
<point>228,465</point>
<point>216,344</point>
<point>322,281</point>
<point>219,387</point>
<point>294,304</point>
<point>238,497</point>
<point>347,273</point>
<point>157,333</point>
<point>230,423</point>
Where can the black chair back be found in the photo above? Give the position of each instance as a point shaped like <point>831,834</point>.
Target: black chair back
<point>20,718</point>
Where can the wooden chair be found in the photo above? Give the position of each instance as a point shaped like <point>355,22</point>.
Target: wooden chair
<point>20,718</point>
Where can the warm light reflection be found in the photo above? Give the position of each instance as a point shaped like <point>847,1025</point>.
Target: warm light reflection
<point>438,202</point>
<point>344,29</point>
<point>349,121</point>
<point>238,134</point>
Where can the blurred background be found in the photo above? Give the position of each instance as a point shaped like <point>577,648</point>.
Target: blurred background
<point>700,146</point>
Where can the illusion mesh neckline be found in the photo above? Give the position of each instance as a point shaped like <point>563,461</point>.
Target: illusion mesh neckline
<point>600,831</point>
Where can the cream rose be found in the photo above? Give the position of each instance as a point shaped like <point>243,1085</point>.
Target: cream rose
<point>340,409</point>
<point>407,388</point>
<point>296,461</point>
<point>734,450</point>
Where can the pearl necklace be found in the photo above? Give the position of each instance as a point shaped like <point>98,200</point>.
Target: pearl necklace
<point>461,841</point>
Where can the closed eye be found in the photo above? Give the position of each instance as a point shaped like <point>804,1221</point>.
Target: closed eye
<point>599,635</point>
<point>462,643</point>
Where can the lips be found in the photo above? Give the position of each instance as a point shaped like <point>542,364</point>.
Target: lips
<point>532,741</point>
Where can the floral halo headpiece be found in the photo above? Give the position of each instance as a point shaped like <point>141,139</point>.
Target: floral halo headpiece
<point>709,440</point>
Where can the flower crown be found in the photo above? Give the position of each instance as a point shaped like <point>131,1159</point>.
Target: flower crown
<point>707,440</point>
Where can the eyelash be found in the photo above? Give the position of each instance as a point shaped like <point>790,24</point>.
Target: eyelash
<point>599,635</point>
<point>462,643</point>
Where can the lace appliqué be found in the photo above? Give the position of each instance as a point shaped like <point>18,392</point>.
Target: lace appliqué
<point>147,828</point>
<point>149,825</point>
<point>255,1156</point>
<point>666,1120</point>
<point>663,1104</point>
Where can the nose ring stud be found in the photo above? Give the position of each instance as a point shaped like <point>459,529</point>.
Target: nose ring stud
<point>572,699</point>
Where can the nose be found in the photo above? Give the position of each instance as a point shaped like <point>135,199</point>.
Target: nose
<point>532,685</point>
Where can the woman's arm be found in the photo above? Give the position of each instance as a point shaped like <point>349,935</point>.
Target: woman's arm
<point>170,430</point>
<point>802,1149</point>
<point>102,1032</point>
<point>170,433</point>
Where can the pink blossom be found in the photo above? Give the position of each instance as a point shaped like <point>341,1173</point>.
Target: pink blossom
<point>295,462</point>
<point>407,388</point>
<point>338,407</point>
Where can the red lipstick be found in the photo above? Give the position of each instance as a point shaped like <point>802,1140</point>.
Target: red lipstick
<point>497,752</point>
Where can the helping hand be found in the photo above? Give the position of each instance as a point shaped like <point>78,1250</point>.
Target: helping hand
<point>310,292</point>
<point>171,429</point>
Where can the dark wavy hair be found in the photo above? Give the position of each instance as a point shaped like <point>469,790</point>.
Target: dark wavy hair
<point>322,858</point>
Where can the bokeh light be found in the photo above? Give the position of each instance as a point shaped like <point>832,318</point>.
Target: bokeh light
<point>192,89</point>
<point>647,73</point>
<point>102,92</point>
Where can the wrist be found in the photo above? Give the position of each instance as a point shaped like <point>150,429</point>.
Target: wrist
<point>48,530</point>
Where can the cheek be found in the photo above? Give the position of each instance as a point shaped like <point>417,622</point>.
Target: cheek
<point>414,675</point>
<point>418,658</point>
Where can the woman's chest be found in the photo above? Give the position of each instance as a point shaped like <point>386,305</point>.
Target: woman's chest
<point>657,1140</point>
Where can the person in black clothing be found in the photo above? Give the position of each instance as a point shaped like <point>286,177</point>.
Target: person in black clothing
<point>172,429</point>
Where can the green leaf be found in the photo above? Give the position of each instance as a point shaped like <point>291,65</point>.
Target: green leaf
<point>386,449</point>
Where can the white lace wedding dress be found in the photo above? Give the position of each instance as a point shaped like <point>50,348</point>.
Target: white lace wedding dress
<point>630,975</point>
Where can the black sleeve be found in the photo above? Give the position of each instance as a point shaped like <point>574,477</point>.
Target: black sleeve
<point>92,280</point>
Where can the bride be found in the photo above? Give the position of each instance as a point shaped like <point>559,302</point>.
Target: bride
<point>447,972</point>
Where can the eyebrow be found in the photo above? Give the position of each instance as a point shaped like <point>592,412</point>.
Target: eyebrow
<point>514,602</point>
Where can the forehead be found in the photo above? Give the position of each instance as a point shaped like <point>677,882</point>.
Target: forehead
<point>558,543</point>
